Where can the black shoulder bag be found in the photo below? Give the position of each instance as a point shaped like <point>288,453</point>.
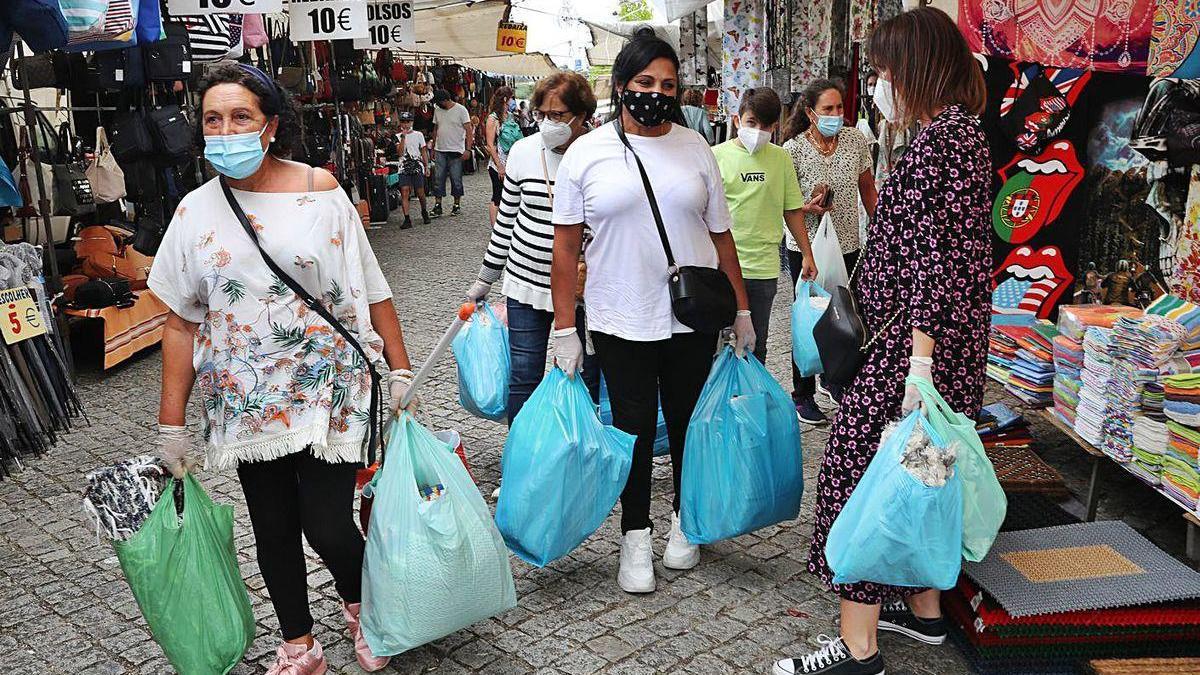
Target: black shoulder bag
<point>376,424</point>
<point>841,335</point>
<point>701,297</point>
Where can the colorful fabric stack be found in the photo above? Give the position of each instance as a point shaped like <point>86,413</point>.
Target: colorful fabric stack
<point>1124,394</point>
<point>1150,439</point>
<point>1180,476</point>
<point>1073,322</point>
<point>1185,313</point>
<point>1000,427</point>
<point>1002,353</point>
<point>1032,376</point>
<point>1097,371</point>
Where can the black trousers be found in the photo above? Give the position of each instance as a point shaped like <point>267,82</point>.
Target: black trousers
<point>637,375</point>
<point>294,494</point>
<point>806,387</point>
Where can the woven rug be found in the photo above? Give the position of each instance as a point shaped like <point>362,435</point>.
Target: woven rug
<point>1020,470</point>
<point>1143,666</point>
<point>1077,567</point>
<point>1030,511</point>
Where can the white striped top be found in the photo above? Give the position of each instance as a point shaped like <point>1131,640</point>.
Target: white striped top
<point>522,241</point>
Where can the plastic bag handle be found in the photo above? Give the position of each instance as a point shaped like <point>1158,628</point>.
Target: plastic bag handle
<point>806,289</point>
<point>933,400</point>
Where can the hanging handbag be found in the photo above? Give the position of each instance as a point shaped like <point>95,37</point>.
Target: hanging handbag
<point>33,199</point>
<point>209,36</point>
<point>120,20</point>
<point>141,181</point>
<point>172,134</point>
<point>120,69</point>
<point>842,337</point>
<point>149,21</point>
<point>104,173</point>
<point>315,305</point>
<point>169,59</point>
<point>254,33</point>
<point>702,298</point>
<point>40,23</point>
<point>34,72</point>
<point>131,139</point>
<point>83,16</point>
<point>10,194</point>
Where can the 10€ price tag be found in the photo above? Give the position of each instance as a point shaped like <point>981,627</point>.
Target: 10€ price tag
<point>327,19</point>
<point>21,319</point>
<point>391,26</point>
<point>192,7</point>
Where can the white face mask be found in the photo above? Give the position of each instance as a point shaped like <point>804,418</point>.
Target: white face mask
<point>885,101</point>
<point>753,139</point>
<point>555,134</point>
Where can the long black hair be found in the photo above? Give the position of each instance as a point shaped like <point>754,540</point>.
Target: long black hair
<point>641,49</point>
<point>798,122</point>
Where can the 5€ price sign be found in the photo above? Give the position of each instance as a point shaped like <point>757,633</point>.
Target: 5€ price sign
<point>21,319</point>
<point>510,37</point>
<point>327,19</point>
<point>391,26</point>
<point>192,7</point>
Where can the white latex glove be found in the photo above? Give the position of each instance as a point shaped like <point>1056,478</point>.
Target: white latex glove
<point>922,367</point>
<point>398,383</point>
<point>478,291</point>
<point>174,448</point>
<point>743,333</point>
<point>568,350</point>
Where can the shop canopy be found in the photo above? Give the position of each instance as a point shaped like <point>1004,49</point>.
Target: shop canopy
<point>466,32</point>
<point>609,37</point>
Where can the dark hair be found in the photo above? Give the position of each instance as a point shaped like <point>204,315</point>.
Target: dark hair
<point>693,97</point>
<point>797,121</point>
<point>763,102</point>
<point>928,63</point>
<point>633,58</point>
<point>572,88</point>
<point>273,101</point>
<point>499,104</point>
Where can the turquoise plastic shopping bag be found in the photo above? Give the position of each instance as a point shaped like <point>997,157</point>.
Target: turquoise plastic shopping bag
<point>662,444</point>
<point>481,351</point>
<point>804,319</point>
<point>434,562</point>
<point>984,503</point>
<point>562,471</point>
<point>743,463</point>
<point>894,529</point>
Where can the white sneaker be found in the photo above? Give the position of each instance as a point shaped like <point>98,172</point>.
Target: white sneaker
<point>681,554</point>
<point>496,493</point>
<point>637,562</point>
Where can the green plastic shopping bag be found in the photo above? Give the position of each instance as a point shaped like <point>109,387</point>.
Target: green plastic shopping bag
<point>185,578</point>
<point>984,503</point>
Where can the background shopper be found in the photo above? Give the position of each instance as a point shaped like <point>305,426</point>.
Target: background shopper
<point>451,129</point>
<point>263,360</point>
<point>414,164</point>
<point>523,236</point>
<point>829,158</point>
<point>694,114</point>
<point>925,288</point>
<point>502,130</point>
<point>644,352</point>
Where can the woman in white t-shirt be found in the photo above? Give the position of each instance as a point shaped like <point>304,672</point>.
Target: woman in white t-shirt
<point>286,398</point>
<point>414,164</point>
<point>644,352</point>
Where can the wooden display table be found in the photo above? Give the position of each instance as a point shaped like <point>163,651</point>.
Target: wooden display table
<point>130,330</point>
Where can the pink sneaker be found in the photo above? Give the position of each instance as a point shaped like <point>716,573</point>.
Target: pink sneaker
<point>296,659</point>
<point>366,660</point>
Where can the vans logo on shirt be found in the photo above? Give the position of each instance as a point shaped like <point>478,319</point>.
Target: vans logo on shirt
<point>754,177</point>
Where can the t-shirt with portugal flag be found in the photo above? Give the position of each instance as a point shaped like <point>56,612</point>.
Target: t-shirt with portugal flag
<point>759,187</point>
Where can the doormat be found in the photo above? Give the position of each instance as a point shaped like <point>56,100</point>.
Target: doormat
<point>1143,666</point>
<point>1028,511</point>
<point>1027,573</point>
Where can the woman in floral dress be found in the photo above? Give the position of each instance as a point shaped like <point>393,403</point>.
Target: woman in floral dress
<point>927,262</point>
<point>285,398</point>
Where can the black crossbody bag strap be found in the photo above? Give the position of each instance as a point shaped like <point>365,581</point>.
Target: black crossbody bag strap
<point>662,230</point>
<point>376,423</point>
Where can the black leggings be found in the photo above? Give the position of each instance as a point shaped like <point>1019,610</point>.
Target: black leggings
<point>300,493</point>
<point>637,374</point>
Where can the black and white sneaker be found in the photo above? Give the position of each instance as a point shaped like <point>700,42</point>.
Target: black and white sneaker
<point>896,617</point>
<point>833,658</point>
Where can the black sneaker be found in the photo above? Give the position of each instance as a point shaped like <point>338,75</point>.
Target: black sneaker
<point>425,217</point>
<point>808,412</point>
<point>896,617</point>
<point>454,210</point>
<point>407,223</point>
<point>436,212</point>
<point>832,659</point>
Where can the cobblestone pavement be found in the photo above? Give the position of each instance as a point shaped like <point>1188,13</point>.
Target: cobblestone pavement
<point>67,609</point>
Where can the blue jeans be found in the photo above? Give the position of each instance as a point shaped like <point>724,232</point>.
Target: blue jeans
<point>528,345</point>
<point>441,162</point>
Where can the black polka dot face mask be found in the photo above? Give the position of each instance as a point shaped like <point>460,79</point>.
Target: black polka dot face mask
<point>649,108</point>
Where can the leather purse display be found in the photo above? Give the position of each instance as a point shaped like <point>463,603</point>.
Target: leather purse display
<point>34,72</point>
<point>131,139</point>
<point>172,134</point>
<point>72,189</point>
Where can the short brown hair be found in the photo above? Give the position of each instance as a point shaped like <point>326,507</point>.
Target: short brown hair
<point>572,88</point>
<point>928,62</point>
<point>693,97</point>
<point>764,103</point>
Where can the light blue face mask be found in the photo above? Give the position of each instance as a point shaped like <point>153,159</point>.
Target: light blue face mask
<point>235,155</point>
<point>829,125</point>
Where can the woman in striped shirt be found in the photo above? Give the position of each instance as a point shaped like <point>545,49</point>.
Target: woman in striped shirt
<point>523,236</point>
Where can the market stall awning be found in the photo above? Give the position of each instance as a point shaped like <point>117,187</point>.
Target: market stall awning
<point>609,36</point>
<point>518,65</point>
<point>466,32</point>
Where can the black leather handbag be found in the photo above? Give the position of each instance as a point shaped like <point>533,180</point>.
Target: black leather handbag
<point>34,72</point>
<point>106,292</point>
<point>72,189</point>
<point>842,338</point>
<point>169,59</point>
<point>172,134</point>
<point>702,298</point>
<point>131,139</point>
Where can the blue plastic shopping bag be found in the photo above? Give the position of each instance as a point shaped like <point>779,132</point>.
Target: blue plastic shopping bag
<point>481,350</point>
<point>662,444</point>
<point>894,529</point>
<point>9,194</point>
<point>435,562</point>
<point>743,464</point>
<point>804,319</point>
<point>562,471</point>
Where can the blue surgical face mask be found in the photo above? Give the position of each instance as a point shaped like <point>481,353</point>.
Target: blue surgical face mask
<point>829,125</point>
<point>235,155</point>
<point>512,105</point>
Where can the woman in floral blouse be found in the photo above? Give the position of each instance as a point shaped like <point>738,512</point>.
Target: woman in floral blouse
<point>285,399</point>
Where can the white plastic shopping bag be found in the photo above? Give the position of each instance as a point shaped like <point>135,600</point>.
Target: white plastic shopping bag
<point>827,254</point>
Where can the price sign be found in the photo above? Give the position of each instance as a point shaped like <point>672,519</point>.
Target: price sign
<point>510,37</point>
<point>327,19</point>
<point>21,319</point>
<point>189,7</point>
<point>391,25</point>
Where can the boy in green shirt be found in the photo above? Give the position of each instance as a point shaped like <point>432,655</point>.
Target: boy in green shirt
<point>763,194</point>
